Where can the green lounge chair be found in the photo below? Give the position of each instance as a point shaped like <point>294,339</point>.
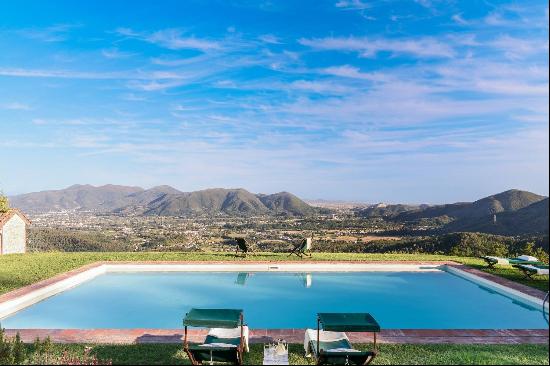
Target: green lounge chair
<point>533,269</point>
<point>522,259</point>
<point>331,346</point>
<point>302,249</point>
<point>242,246</point>
<point>227,338</point>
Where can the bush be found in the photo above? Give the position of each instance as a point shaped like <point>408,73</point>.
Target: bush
<point>12,351</point>
<point>43,240</point>
<point>4,204</point>
<point>456,244</point>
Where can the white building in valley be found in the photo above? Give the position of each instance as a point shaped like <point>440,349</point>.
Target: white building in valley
<point>13,232</point>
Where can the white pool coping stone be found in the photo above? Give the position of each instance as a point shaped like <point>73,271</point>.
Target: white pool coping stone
<point>510,292</point>
<point>14,305</point>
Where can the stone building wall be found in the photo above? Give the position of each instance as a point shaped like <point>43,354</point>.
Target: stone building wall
<point>14,236</point>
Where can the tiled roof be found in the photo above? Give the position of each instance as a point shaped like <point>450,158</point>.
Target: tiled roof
<point>5,217</point>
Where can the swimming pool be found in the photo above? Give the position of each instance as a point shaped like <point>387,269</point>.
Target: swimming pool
<point>420,299</point>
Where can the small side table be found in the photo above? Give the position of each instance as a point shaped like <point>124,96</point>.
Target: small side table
<point>272,358</point>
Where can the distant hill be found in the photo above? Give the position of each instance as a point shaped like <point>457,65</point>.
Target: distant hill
<point>162,200</point>
<point>285,202</point>
<point>209,201</point>
<point>76,197</point>
<point>511,200</point>
<point>388,211</point>
<point>532,219</point>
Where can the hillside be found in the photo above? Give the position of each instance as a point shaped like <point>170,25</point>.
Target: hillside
<point>286,203</point>
<point>209,201</point>
<point>162,200</point>
<point>528,220</point>
<point>76,197</point>
<point>507,201</point>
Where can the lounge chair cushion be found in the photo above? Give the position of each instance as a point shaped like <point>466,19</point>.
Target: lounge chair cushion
<point>500,260</point>
<point>230,336</point>
<point>538,269</point>
<point>527,258</point>
<point>347,350</point>
<point>327,341</point>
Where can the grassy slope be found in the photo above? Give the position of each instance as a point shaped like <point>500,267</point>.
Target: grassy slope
<point>18,270</point>
<point>172,354</point>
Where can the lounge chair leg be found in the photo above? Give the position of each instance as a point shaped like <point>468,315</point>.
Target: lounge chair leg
<point>370,358</point>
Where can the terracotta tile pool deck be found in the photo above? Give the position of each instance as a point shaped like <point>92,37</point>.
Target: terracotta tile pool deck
<point>411,336</point>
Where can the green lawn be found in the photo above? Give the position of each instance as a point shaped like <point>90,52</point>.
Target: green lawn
<point>172,354</point>
<point>18,270</point>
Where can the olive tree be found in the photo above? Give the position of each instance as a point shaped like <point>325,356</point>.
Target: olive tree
<point>4,204</point>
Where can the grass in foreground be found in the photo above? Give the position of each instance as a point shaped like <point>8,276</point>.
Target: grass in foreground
<point>395,354</point>
<point>18,270</point>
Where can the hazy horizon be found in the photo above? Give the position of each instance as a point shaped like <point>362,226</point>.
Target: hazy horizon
<point>388,101</point>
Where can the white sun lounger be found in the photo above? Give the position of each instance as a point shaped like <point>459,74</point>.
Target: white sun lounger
<point>530,269</point>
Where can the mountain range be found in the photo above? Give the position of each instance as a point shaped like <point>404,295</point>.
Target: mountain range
<point>162,200</point>
<point>516,211</point>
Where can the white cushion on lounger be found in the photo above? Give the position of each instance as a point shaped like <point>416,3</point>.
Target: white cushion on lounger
<point>498,260</point>
<point>539,271</point>
<point>215,345</point>
<point>347,350</point>
<point>230,333</point>
<point>324,336</point>
<point>528,258</point>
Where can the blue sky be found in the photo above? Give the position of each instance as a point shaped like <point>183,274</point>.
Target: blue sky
<point>396,101</point>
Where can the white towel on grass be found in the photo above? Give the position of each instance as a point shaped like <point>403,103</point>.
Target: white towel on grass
<point>230,333</point>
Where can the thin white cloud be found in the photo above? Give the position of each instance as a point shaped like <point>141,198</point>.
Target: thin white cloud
<point>423,47</point>
<point>424,3</point>
<point>15,106</point>
<point>64,74</point>
<point>54,33</point>
<point>353,4</point>
<point>518,48</point>
<point>173,39</point>
<point>459,19</point>
<point>155,85</point>
<point>269,38</point>
<point>348,71</point>
<point>115,53</point>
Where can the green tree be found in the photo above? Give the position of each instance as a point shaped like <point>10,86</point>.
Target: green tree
<point>6,357</point>
<point>18,350</point>
<point>4,204</point>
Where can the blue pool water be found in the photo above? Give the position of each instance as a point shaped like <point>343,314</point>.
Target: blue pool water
<point>437,300</point>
